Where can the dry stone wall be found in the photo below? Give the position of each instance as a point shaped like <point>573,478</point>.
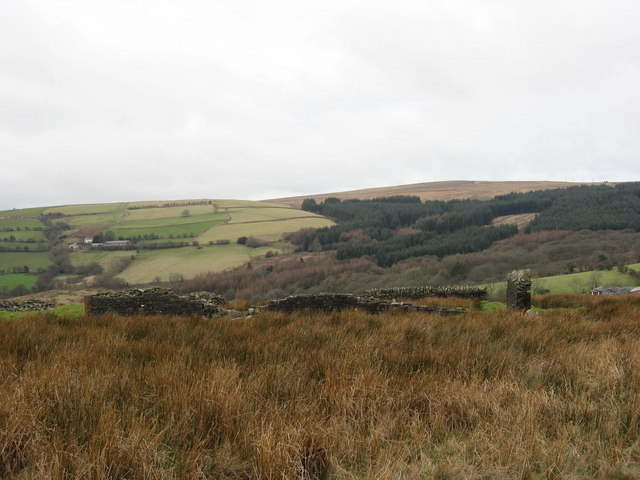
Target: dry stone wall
<point>26,306</point>
<point>154,301</point>
<point>331,302</point>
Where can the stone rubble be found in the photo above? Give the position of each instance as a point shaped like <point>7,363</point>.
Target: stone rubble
<point>26,306</point>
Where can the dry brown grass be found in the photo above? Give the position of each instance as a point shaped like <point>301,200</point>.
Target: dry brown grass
<point>346,395</point>
<point>447,190</point>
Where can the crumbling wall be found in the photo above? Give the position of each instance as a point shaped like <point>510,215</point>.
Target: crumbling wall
<point>153,301</point>
<point>331,302</point>
<point>519,290</point>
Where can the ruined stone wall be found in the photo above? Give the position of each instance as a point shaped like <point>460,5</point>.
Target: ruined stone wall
<point>153,301</point>
<point>519,290</point>
<point>331,302</point>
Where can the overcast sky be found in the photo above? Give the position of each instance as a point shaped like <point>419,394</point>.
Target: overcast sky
<point>115,100</point>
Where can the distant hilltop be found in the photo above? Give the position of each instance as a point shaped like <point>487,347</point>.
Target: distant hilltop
<point>449,190</point>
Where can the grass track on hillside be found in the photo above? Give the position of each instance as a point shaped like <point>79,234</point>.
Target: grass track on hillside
<point>310,396</point>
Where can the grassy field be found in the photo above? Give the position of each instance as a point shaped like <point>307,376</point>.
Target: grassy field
<point>12,280</point>
<point>23,235</point>
<point>173,221</point>
<point>87,208</point>
<point>268,231</point>
<point>166,232</point>
<point>34,261</point>
<point>581,282</point>
<point>22,212</point>
<point>21,223</point>
<point>32,246</point>
<point>104,258</point>
<point>94,219</point>
<point>188,261</point>
<point>167,212</point>
<point>324,396</point>
<point>265,214</point>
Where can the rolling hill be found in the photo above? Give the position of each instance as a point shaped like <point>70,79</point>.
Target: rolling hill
<point>146,242</point>
<point>142,242</point>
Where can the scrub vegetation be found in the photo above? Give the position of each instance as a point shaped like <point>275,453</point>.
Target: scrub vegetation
<point>337,396</point>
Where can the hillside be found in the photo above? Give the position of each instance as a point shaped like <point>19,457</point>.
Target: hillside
<point>450,190</point>
<point>139,242</point>
<point>250,249</point>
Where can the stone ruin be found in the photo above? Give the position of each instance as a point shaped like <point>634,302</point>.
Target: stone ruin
<point>332,302</point>
<point>519,290</point>
<point>154,301</point>
<point>26,306</point>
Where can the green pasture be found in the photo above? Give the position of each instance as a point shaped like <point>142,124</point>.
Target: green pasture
<point>167,212</point>
<point>581,282</point>
<point>164,232</point>
<point>265,214</point>
<point>268,231</point>
<point>171,221</point>
<point>93,220</point>
<point>71,311</point>
<point>188,261</point>
<point>12,280</point>
<point>22,212</point>
<point>104,258</point>
<point>22,235</point>
<point>34,260</point>
<point>21,223</point>
<point>27,246</point>
<point>70,210</point>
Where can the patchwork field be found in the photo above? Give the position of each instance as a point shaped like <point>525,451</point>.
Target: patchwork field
<point>148,225</point>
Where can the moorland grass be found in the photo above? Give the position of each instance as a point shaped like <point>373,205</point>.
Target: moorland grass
<point>309,396</point>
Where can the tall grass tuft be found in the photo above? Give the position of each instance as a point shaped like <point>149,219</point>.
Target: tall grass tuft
<point>321,396</point>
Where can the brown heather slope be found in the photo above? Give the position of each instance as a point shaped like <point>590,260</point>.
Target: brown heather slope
<point>449,190</point>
